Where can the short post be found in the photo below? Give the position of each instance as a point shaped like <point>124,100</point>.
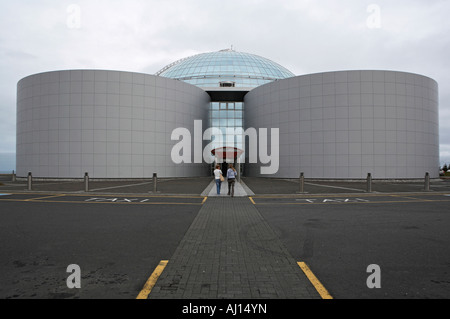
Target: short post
<point>427,182</point>
<point>86,182</point>
<point>155,182</point>
<point>13,179</point>
<point>369,183</point>
<point>302,183</point>
<point>239,170</point>
<point>30,181</point>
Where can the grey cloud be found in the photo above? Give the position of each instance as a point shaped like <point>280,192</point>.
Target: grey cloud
<point>303,35</point>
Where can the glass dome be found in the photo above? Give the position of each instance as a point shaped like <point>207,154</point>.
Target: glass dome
<point>228,67</point>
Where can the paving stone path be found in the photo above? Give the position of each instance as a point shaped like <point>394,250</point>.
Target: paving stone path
<point>230,252</point>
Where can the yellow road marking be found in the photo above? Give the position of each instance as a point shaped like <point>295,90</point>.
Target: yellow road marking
<point>132,195</point>
<point>110,203</point>
<point>204,200</point>
<point>251,199</point>
<point>316,283</point>
<point>45,197</point>
<point>350,195</point>
<point>152,280</point>
<point>374,202</point>
<point>414,198</point>
<point>107,195</point>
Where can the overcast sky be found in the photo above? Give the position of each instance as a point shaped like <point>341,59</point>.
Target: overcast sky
<point>305,36</point>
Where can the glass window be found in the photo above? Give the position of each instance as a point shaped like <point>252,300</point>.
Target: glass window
<point>243,68</point>
<point>223,114</point>
<point>215,114</point>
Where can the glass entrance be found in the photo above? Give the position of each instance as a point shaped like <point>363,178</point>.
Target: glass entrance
<point>225,115</point>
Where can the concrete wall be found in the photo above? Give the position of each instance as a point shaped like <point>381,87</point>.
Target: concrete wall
<point>349,123</point>
<point>108,123</point>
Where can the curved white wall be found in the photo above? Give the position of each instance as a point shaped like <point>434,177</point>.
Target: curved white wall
<point>108,123</point>
<point>349,123</point>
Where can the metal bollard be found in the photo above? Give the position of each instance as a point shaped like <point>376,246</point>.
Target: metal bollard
<point>30,181</point>
<point>369,183</point>
<point>13,179</point>
<point>427,182</point>
<point>155,182</point>
<point>86,182</point>
<point>301,183</point>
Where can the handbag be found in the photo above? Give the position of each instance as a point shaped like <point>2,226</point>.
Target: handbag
<point>221,178</point>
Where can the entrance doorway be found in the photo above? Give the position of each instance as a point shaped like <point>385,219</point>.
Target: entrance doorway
<point>224,168</point>
<point>224,156</point>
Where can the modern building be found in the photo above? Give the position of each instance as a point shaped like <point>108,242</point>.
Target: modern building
<point>341,124</point>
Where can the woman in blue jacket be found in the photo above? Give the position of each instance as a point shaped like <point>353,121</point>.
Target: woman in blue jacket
<point>231,176</point>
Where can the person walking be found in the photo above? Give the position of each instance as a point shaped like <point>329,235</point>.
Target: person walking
<point>219,178</point>
<point>231,176</point>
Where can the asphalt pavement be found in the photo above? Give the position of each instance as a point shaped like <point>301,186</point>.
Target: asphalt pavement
<point>120,231</point>
<point>197,186</point>
<point>117,247</point>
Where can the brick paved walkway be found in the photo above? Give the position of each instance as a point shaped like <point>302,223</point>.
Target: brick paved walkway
<point>240,190</point>
<point>230,252</point>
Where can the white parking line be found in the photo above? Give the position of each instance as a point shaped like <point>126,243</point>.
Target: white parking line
<point>339,187</point>
<point>120,186</point>
<point>334,200</point>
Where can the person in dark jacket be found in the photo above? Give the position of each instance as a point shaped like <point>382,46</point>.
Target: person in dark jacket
<point>231,177</point>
